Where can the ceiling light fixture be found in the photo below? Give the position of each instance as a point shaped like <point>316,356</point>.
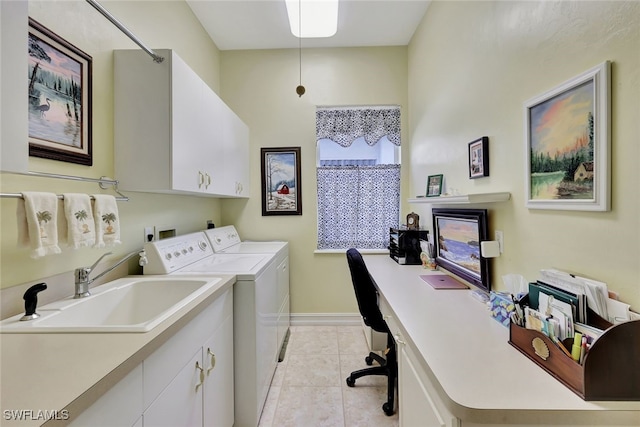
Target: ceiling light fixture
<point>320,17</point>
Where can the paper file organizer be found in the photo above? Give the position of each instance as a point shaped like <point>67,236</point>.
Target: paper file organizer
<point>611,368</point>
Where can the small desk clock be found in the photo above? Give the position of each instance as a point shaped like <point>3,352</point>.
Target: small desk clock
<point>413,221</point>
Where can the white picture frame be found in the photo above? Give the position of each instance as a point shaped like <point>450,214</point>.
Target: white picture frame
<point>568,144</point>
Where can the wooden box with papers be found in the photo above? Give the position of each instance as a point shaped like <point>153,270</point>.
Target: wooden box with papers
<point>608,371</point>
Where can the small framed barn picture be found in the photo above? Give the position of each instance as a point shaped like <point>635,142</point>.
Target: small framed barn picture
<point>568,144</point>
<point>59,84</point>
<point>280,169</point>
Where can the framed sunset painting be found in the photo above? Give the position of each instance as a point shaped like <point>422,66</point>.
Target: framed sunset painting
<point>568,144</point>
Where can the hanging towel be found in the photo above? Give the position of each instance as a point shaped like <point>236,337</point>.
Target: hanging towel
<point>107,221</point>
<point>38,223</point>
<point>81,229</point>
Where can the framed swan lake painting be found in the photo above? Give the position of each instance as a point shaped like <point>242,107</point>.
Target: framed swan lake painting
<point>568,144</point>
<point>59,81</point>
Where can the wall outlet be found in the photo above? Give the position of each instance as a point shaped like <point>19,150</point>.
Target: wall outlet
<point>149,234</point>
<point>500,238</point>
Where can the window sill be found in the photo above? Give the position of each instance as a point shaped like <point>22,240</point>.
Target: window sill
<point>342,251</point>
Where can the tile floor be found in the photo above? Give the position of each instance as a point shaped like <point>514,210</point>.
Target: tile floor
<point>309,388</point>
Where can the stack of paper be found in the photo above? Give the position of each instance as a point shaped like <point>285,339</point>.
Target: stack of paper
<point>595,292</point>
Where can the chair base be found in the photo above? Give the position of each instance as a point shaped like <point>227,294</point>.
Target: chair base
<point>388,367</point>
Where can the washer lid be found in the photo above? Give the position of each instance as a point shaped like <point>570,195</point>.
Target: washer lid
<point>242,265</point>
<point>256,248</point>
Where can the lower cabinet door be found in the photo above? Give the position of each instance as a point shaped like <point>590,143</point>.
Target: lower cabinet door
<point>419,405</point>
<point>180,404</point>
<point>120,406</point>
<point>218,383</point>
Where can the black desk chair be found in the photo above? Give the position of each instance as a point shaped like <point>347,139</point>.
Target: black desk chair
<point>367,296</point>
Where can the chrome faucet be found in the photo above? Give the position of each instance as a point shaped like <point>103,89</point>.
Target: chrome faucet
<point>82,280</point>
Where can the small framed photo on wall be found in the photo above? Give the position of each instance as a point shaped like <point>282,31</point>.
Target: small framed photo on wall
<point>479,158</point>
<point>434,185</point>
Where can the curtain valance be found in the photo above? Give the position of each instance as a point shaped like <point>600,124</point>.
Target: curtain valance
<point>345,125</point>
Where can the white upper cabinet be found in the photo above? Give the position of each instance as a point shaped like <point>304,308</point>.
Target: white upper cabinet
<point>14,153</point>
<point>173,134</point>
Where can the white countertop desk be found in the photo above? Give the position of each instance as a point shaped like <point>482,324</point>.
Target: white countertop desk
<point>480,377</point>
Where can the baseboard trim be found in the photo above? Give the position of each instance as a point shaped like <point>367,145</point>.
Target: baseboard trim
<point>325,319</point>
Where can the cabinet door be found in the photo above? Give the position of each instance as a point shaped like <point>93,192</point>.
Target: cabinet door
<point>218,384</point>
<point>418,401</point>
<point>180,404</point>
<point>120,406</point>
<point>236,148</point>
<point>215,157</point>
<point>189,150</point>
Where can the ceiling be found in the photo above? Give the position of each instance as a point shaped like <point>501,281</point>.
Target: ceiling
<point>263,24</point>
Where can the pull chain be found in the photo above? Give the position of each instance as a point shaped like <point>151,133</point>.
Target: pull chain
<point>300,90</point>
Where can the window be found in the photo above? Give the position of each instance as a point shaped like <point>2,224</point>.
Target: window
<point>358,175</point>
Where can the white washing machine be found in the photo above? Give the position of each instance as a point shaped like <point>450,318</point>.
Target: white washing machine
<point>255,310</point>
<point>226,240</point>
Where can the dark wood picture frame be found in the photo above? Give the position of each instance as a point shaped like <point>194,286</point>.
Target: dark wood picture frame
<point>479,158</point>
<point>60,92</point>
<point>281,185</point>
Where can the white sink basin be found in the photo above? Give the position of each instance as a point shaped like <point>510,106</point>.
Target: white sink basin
<point>131,304</point>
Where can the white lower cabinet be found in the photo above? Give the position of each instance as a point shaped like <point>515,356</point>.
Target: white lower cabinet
<point>419,404</point>
<point>218,383</point>
<point>186,382</point>
<point>180,404</point>
<point>120,406</point>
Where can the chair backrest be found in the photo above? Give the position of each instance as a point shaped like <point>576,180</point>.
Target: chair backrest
<point>366,292</point>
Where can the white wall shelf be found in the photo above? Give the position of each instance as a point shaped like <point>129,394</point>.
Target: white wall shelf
<point>464,199</point>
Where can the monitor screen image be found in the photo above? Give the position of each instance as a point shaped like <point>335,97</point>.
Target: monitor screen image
<point>457,236</point>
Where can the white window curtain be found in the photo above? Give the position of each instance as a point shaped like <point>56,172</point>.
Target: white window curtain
<point>357,204</point>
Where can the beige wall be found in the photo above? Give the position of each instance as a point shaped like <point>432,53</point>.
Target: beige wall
<point>470,68</point>
<point>472,65</point>
<point>159,25</point>
<point>260,87</point>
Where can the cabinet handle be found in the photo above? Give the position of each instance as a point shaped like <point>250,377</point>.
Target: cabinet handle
<point>212,363</point>
<point>398,340</point>
<point>201,375</point>
<point>200,179</point>
<point>208,180</point>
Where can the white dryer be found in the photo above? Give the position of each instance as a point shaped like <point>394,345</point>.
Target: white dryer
<point>226,240</point>
<point>255,311</point>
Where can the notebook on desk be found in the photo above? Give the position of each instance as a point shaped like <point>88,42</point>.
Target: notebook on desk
<point>443,281</point>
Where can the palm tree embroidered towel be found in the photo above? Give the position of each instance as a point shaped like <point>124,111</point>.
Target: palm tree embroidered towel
<point>38,223</point>
<point>105,213</point>
<point>81,229</point>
